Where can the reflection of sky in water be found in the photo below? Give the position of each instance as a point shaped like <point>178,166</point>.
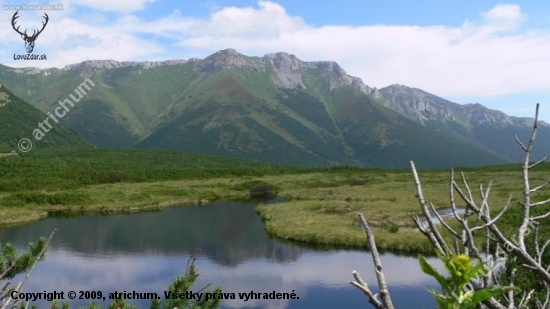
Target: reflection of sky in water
<point>319,278</point>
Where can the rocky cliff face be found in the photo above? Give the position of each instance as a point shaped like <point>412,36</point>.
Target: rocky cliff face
<point>4,97</point>
<point>228,59</point>
<point>287,69</point>
<point>422,106</point>
<point>416,104</point>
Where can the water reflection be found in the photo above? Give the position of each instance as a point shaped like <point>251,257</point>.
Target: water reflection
<point>227,233</point>
<point>143,252</point>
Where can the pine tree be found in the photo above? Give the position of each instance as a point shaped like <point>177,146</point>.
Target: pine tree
<point>13,263</point>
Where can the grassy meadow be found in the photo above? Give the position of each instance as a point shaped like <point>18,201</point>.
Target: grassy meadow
<point>320,204</point>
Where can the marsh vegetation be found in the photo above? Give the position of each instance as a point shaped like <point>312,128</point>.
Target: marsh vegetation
<point>320,204</point>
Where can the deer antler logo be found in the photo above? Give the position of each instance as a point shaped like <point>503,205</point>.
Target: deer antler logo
<point>29,40</point>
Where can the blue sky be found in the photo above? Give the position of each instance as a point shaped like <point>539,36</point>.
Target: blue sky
<point>489,52</point>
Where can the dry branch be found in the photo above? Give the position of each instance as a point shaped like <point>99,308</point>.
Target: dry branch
<point>464,241</point>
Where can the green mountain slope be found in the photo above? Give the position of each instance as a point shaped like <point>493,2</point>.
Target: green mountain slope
<point>18,120</point>
<point>392,140</point>
<point>275,108</point>
<point>116,112</point>
<point>232,121</point>
<point>305,127</point>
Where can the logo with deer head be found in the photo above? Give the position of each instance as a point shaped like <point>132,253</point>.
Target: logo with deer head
<point>29,39</point>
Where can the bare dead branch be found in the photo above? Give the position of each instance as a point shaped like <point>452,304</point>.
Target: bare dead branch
<point>493,221</point>
<point>432,228</point>
<point>520,143</point>
<point>538,162</point>
<point>467,244</point>
<point>449,228</point>
<point>541,186</point>
<point>362,285</point>
<point>542,250</point>
<point>484,205</point>
<point>526,185</point>
<point>469,202</point>
<point>466,185</point>
<point>537,218</point>
<point>540,203</point>
<point>384,293</point>
<point>525,299</point>
<point>511,292</point>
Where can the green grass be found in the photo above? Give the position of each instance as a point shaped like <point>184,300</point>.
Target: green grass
<point>108,180</point>
<point>323,208</point>
<point>53,169</point>
<point>321,205</point>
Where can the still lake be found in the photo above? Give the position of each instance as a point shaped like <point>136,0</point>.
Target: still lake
<point>143,252</point>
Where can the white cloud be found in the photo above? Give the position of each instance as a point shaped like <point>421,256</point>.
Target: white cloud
<point>505,13</point>
<point>489,56</point>
<point>478,58</point>
<point>117,5</point>
<point>270,20</point>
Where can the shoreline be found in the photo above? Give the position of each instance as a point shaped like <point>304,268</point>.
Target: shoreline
<point>66,211</point>
<point>319,208</point>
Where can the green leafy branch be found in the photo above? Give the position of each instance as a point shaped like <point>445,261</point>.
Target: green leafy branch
<point>456,294</point>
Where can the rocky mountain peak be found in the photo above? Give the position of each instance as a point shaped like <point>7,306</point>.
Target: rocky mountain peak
<point>415,103</point>
<point>289,69</point>
<point>479,114</point>
<point>98,65</point>
<point>228,59</point>
<point>284,61</point>
<point>422,106</point>
<point>88,67</point>
<point>112,64</point>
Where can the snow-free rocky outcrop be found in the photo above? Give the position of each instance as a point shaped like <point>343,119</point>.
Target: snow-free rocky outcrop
<point>287,70</point>
<point>422,106</point>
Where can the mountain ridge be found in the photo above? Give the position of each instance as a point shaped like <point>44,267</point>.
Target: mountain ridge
<point>223,59</point>
<point>276,108</point>
<point>285,62</point>
<point>425,100</point>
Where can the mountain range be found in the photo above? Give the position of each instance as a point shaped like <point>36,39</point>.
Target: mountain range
<point>274,108</point>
